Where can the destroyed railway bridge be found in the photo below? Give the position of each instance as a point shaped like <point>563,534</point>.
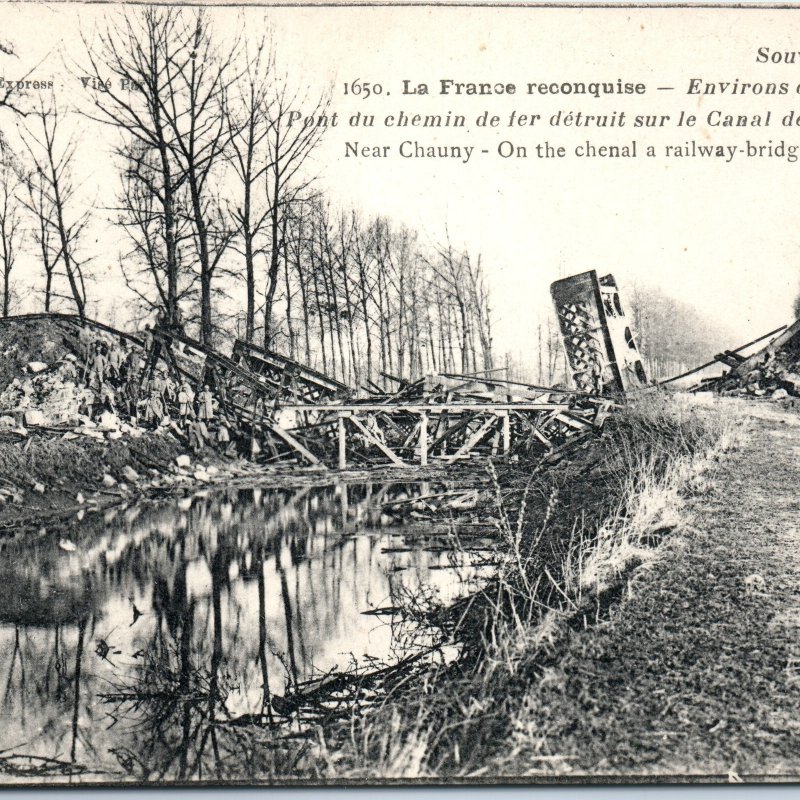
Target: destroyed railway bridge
<point>291,412</point>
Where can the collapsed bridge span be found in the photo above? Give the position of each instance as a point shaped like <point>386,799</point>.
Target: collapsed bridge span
<point>281,411</point>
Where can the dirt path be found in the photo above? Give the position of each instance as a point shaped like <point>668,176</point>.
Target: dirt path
<point>699,672</point>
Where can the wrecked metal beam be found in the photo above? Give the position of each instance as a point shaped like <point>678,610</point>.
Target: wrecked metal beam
<point>714,360</point>
<point>431,408</point>
<point>600,346</point>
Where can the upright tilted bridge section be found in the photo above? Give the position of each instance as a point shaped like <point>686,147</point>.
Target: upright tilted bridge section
<point>283,411</point>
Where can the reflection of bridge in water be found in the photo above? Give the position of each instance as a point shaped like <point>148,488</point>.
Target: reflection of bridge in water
<point>295,413</point>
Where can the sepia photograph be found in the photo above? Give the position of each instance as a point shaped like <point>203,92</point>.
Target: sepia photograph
<point>399,394</point>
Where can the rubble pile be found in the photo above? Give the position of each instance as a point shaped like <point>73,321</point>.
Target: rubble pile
<point>61,373</point>
<point>773,373</point>
<point>41,400</point>
<point>31,347</point>
<point>773,380</point>
<point>41,375</point>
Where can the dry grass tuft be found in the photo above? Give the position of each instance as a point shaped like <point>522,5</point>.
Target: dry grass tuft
<point>668,448</point>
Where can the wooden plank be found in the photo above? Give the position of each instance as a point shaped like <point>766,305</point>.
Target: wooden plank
<point>292,442</point>
<point>572,441</point>
<point>602,414</point>
<point>413,433</point>
<point>423,439</point>
<point>543,421</point>
<point>460,425</point>
<point>392,456</point>
<point>573,422</point>
<point>506,432</point>
<point>473,440</point>
<point>345,504</point>
<point>279,363</point>
<point>442,427</point>
<point>392,424</point>
<point>342,443</point>
<point>727,359</point>
<point>542,438</point>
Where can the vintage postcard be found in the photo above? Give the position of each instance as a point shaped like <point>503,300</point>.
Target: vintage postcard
<point>399,393</point>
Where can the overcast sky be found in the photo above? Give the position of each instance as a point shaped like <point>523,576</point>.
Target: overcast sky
<point>723,236</point>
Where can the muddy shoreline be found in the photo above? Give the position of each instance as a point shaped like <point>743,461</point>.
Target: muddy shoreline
<point>34,495</point>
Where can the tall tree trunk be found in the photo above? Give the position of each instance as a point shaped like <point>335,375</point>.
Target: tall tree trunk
<point>69,266</point>
<point>288,286</point>
<point>304,298</point>
<point>48,289</point>
<point>367,328</point>
<point>170,243</point>
<point>272,271</point>
<point>319,308</point>
<point>201,235</point>
<point>250,280</point>
<point>333,304</point>
<point>355,366</point>
<point>383,323</point>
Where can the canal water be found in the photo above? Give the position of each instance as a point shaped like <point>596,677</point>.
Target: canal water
<point>128,639</point>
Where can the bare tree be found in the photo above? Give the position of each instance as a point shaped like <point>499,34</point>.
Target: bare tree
<point>199,78</point>
<point>157,282</point>
<point>450,271</point>
<point>52,167</point>
<point>359,280</point>
<point>248,128</point>
<point>137,51</point>
<point>38,202</point>
<point>290,142</point>
<point>10,224</point>
<point>299,263</point>
<point>168,95</point>
<point>482,311</point>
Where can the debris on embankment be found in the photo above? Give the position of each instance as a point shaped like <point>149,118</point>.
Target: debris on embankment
<point>776,376</point>
<point>46,478</point>
<point>62,451</point>
<point>68,379</point>
<point>772,373</point>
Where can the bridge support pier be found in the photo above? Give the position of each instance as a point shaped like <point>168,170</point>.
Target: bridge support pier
<point>342,443</point>
<point>423,438</point>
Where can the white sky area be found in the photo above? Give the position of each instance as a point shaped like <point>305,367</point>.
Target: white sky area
<point>722,236</point>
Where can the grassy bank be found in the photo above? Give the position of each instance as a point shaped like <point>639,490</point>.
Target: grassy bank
<point>570,540</point>
<point>43,477</point>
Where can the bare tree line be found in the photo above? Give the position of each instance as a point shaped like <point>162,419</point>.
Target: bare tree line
<point>217,198</point>
<point>668,348</point>
<point>363,299</point>
<point>38,204</point>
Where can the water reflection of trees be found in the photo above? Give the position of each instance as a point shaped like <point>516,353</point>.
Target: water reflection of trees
<point>37,677</point>
<point>175,704</point>
<point>242,591</point>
